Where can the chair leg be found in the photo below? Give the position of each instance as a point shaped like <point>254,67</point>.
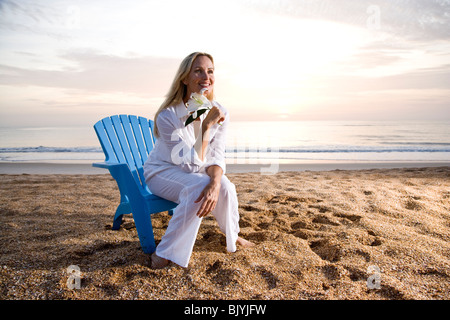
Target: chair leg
<point>144,228</point>
<point>123,208</point>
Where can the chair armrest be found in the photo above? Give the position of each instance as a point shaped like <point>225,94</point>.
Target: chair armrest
<point>122,174</point>
<point>106,165</point>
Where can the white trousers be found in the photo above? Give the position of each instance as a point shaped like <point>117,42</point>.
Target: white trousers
<point>184,188</point>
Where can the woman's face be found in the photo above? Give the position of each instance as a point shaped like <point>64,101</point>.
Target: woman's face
<point>201,76</point>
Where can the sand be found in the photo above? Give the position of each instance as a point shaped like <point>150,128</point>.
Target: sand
<point>342,234</point>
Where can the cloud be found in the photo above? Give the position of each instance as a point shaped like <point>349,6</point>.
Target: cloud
<point>35,18</point>
<point>372,58</point>
<point>89,85</point>
<point>415,20</point>
<point>96,72</point>
<point>28,9</point>
<point>420,80</point>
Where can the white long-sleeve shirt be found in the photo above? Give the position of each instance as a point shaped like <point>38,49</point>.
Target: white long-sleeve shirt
<point>175,145</point>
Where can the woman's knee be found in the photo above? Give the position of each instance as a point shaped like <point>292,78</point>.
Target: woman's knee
<point>227,187</point>
<point>195,187</point>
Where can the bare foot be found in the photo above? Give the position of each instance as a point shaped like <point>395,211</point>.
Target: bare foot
<point>158,262</point>
<point>244,243</point>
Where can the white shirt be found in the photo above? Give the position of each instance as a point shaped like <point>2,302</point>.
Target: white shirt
<point>175,145</point>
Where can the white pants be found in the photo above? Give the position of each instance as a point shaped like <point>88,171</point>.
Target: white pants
<point>184,188</point>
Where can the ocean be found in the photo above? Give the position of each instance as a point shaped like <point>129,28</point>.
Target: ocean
<point>258,142</point>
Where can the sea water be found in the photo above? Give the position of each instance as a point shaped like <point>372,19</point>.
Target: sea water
<point>258,142</point>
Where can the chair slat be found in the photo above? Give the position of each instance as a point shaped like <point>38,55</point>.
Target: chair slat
<point>123,141</point>
<point>139,138</point>
<point>136,144</point>
<point>147,134</point>
<point>133,140</point>
<point>127,146</point>
<point>104,141</point>
<point>152,130</point>
<point>107,122</point>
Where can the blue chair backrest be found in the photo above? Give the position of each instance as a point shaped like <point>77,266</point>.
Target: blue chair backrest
<point>127,139</point>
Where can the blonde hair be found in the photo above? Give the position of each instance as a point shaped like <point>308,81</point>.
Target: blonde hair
<point>178,89</point>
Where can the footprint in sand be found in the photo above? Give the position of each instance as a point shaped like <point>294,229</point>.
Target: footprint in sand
<point>352,217</point>
<point>326,250</point>
<point>269,277</point>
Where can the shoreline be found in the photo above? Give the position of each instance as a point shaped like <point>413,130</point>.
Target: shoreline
<point>46,168</point>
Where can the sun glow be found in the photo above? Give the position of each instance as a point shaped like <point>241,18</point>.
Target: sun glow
<point>281,61</point>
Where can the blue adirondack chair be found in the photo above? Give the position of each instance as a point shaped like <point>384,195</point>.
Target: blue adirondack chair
<point>126,141</point>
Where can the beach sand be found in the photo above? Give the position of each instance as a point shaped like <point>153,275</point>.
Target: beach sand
<point>341,234</point>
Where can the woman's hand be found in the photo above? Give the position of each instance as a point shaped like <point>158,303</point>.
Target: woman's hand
<point>215,115</point>
<point>210,195</point>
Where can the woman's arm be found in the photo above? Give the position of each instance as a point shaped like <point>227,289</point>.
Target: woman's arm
<point>211,192</point>
<point>215,173</point>
<point>215,115</point>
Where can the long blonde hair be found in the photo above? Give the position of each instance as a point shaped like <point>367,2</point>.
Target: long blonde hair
<point>178,89</point>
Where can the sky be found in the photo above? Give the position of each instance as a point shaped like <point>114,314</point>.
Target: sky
<point>75,62</point>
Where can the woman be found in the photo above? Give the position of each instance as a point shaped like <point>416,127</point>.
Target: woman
<point>187,165</point>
